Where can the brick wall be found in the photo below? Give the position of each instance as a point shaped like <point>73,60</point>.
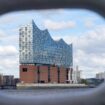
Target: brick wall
<point>63,75</point>
<point>43,74</point>
<point>53,74</point>
<point>35,74</point>
<point>29,76</point>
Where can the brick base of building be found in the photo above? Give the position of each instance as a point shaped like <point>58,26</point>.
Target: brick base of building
<point>30,73</point>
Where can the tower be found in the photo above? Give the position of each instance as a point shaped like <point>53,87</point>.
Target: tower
<point>38,52</point>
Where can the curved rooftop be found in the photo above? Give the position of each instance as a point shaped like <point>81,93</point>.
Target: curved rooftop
<point>42,49</point>
<point>60,41</point>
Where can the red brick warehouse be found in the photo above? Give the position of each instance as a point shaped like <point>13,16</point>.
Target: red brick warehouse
<point>43,74</point>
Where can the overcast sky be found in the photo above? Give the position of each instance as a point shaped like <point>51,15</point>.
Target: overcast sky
<point>85,29</point>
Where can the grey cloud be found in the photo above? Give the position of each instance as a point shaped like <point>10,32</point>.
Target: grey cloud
<point>89,51</point>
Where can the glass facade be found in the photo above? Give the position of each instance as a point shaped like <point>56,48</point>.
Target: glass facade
<point>37,47</point>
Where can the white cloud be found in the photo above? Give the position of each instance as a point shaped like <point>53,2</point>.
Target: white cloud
<point>9,63</point>
<point>9,60</point>
<point>2,34</point>
<point>8,50</point>
<point>89,24</point>
<point>9,55</point>
<point>59,25</point>
<point>9,66</point>
<point>89,50</point>
<point>9,18</point>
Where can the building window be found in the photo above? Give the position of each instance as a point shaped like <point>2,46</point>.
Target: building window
<point>26,28</point>
<point>24,69</point>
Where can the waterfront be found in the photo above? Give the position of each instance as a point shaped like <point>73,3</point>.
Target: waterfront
<point>39,92</point>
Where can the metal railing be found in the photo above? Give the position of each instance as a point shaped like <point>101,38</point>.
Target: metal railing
<point>91,97</point>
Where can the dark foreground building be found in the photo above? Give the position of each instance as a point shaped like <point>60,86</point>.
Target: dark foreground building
<point>43,60</point>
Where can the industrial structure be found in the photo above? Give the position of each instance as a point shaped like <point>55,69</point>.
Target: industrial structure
<point>76,76</point>
<point>43,60</point>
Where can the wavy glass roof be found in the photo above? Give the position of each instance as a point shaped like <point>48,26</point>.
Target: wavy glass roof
<point>37,47</point>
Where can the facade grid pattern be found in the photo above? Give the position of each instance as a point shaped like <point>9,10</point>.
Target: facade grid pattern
<point>37,47</point>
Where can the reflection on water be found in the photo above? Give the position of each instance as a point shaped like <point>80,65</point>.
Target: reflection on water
<point>44,91</point>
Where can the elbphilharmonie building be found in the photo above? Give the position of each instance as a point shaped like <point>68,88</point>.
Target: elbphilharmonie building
<point>42,59</point>
<point>37,47</point>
